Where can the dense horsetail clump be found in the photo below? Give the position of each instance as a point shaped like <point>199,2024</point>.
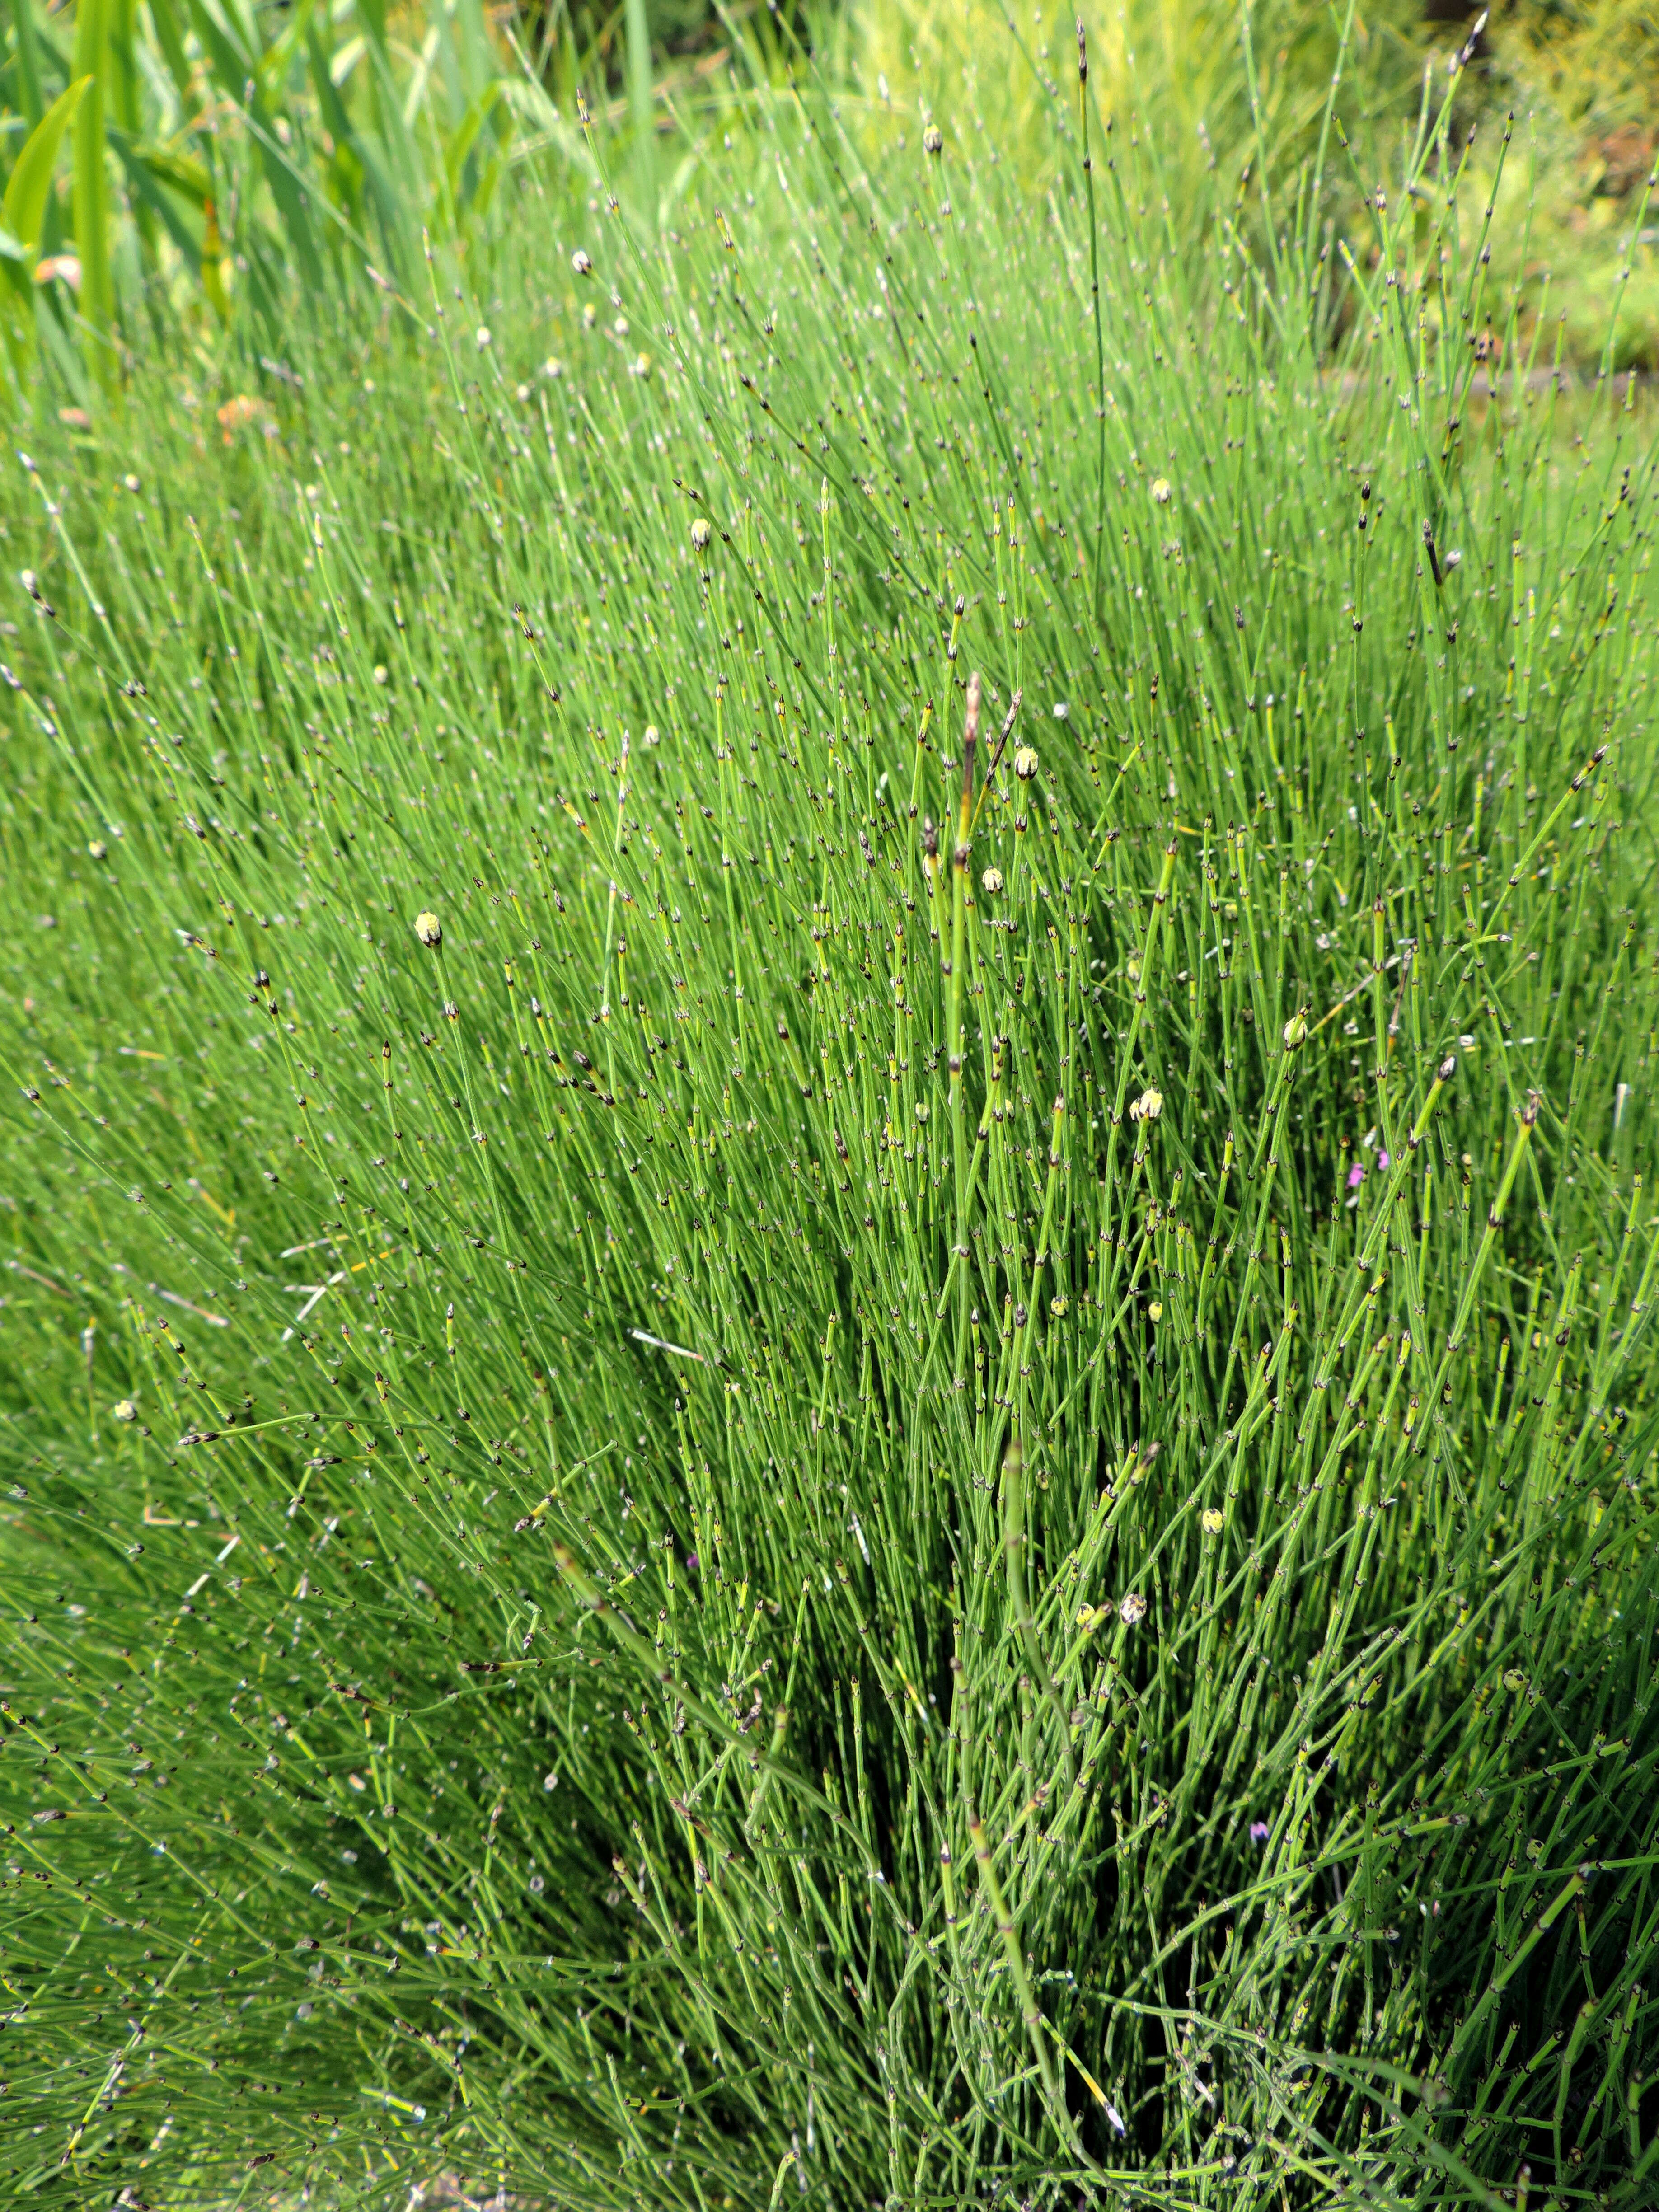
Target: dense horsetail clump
<point>828,1361</point>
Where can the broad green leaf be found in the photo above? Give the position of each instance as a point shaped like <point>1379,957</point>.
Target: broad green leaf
<point>420,75</point>
<point>400,154</point>
<point>23,209</point>
<point>465,136</point>
<point>231,47</point>
<point>188,177</point>
<point>125,76</point>
<point>154,181</point>
<point>477,59</point>
<point>29,64</point>
<point>164,15</point>
<point>389,207</point>
<point>232,61</point>
<point>22,214</point>
<point>345,58</point>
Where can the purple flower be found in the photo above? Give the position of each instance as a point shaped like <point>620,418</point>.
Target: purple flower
<point>690,1563</point>
<point>1355,1175</point>
<point>1260,1831</point>
<point>1382,1160</point>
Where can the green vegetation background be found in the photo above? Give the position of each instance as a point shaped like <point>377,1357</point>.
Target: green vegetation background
<point>826,1358</point>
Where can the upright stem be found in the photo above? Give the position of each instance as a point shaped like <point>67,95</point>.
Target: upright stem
<point>959,862</point>
<point>1094,291</point>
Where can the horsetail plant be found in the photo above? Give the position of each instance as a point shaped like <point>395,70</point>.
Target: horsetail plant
<point>758,1453</point>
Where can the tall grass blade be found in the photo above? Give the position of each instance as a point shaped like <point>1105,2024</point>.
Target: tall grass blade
<point>92,195</point>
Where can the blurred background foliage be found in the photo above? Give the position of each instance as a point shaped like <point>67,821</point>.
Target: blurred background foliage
<point>192,175</point>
